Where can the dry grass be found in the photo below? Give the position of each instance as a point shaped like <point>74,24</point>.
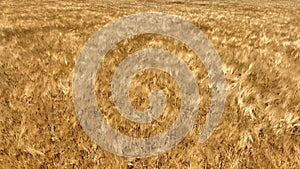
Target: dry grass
<point>259,45</point>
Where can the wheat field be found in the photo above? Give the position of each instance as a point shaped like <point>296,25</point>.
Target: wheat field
<point>258,43</point>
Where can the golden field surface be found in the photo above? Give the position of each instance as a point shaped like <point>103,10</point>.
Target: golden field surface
<point>258,43</point>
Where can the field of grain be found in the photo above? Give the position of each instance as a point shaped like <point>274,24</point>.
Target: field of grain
<point>259,46</point>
